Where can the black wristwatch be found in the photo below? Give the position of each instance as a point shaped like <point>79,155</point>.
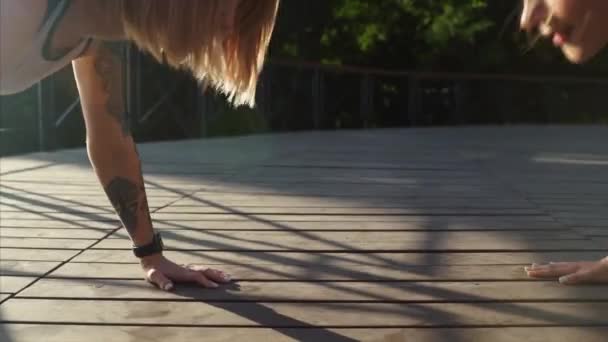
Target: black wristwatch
<point>156,246</point>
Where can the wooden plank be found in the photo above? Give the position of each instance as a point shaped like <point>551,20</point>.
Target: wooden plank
<point>66,189</point>
<point>249,194</point>
<point>335,195</point>
<point>435,223</point>
<point>326,291</point>
<point>232,193</point>
<point>107,222</point>
<point>253,204</point>
<point>368,174</point>
<point>592,231</point>
<point>38,254</point>
<point>498,221</point>
<point>49,191</point>
<point>195,211</point>
<point>305,272</point>
<point>361,192</point>
<point>62,224</point>
<point>600,215</point>
<point>349,236</point>
<point>369,259</point>
<point>429,179</point>
<point>451,185</point>
<point>335,201</point>
<point>58,216</point>
<point>393,164</point>
<point>14,164</point>
<point>83,185</point>
<point>561,204</point>
<point>357,191</point>
<point>375,241</point>
<point>100,201</point>
<point>584,207</point>
<point>62,333</point>
<point>304,314</point>
<point>565,188</point>
<point>46,243</point>
<point>310,160</point>
<point>330,218</point>
<point>566,197</point>
<point>26,268</point>
<point>66,208</point>
<point>433,181</point>
<point>340,201</point>
<point>83,233</point>
<point>550,201</point>
<point>582,222</point>
<point>12,284</point>
<point>402,184</point>
<point>24,179</point>
<point>603,240</point>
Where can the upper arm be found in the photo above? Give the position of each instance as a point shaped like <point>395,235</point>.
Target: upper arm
<point>100,75</point>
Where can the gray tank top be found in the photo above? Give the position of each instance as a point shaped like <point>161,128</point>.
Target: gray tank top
<point>26,30</point>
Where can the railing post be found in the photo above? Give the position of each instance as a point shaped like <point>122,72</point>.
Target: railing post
<point>41,112</point>
<point>265,96</point>
<point>366,104</point>
<point>46,111</point>
<point>317,97</point>
<point>202,105</point>
<point>138,72</point>
<point>459,97</point>
<point>414,100</point>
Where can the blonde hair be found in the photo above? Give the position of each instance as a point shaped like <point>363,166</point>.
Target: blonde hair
<point>186,34</point>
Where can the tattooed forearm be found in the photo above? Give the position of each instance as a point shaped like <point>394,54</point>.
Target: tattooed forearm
<point>110,66</point>
<point>126,198</point>
<point>145,208</point>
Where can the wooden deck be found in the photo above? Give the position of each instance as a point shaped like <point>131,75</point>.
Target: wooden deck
<point>389,235</point>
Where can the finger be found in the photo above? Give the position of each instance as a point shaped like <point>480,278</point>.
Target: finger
<point>197,268</point>
<point>201,279</point>
<point>217,275</point>
<point>156,277</point>
<point>581,277</point>
<point>536,266</point>
<point>213,274</point>
<point>552,270</point>
<point>551,264</point>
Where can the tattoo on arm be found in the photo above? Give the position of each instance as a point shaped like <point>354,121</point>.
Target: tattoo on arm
<point>110,65</point>
<point>145,208</point>
<point>125,198</point>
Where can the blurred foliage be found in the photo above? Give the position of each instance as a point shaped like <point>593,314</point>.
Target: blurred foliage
<point>439,35</point>
<point>466,36</point>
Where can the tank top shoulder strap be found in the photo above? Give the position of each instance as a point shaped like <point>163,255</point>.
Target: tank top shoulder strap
<point>56,9</point>
<point>52,5</point>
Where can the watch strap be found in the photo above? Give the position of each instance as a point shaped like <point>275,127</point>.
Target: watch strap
<point>156,246</point>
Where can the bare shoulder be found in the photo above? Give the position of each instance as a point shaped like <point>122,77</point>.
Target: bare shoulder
<point>21,18</point>
<point>16,7</point>
<point>19,21</point>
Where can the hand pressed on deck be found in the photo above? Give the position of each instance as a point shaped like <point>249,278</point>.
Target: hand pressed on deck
<point>572,273</point>
<point>162,272</point>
